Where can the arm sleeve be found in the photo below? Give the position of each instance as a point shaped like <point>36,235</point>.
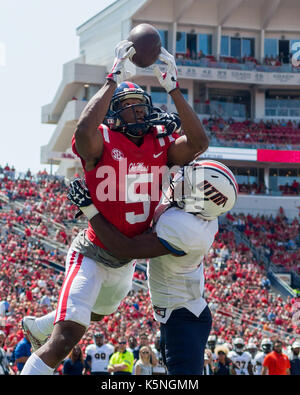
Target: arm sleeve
<point>266,361</point>
<point>74,146</point>
<point>22,351</point>
<point>18,352</point>
<point>112,359</point>
<point>75,151</point>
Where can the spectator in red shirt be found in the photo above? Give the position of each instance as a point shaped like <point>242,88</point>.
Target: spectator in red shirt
<point>276,363</point>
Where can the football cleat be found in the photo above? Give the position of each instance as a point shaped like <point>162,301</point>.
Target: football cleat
<point>29,326</point>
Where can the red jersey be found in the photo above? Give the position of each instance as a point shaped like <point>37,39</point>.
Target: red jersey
<point>125,185</point>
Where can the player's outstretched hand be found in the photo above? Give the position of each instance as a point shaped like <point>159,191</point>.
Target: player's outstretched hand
<point>78,193</point>
<point>123,51</point>
<point>168,80</point>
<point>80,196</point>
<point>170,121</point>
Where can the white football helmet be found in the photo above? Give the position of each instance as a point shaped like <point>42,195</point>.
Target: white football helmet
<point>266,345</point>
<point>239,345</point>
<point>209,189</point>
<point>251,347</point>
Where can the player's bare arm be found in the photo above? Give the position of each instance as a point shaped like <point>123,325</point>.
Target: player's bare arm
<point>195,141</point>
<point>89,142</point>
<point>146,245</point>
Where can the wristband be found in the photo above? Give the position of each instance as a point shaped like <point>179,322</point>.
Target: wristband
<point>89,211</point>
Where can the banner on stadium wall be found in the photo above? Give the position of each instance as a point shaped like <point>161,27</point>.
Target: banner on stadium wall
<point>55,155</point>
<point>265,155</point>
<point>230,153</point>
<point>254,155</point>
<point>243,76</point>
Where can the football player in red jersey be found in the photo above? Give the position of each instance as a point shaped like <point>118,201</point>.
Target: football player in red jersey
<point>121,159</point>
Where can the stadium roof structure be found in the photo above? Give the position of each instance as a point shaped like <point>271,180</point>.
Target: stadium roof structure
<point>269,14</point>
<point>99,35</point>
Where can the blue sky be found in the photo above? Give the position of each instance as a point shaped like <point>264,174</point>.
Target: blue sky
<point>36,38</point>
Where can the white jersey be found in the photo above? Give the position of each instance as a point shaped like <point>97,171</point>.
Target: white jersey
<point>178,281</point>
<point>258,363</point>
<point>99,356</point>
<point>241,362</point>
<point>160,367</point>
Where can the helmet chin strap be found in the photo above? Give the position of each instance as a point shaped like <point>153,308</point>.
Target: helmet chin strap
<point>126,131</point>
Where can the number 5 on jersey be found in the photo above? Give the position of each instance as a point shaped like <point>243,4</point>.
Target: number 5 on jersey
<point>132,182</point>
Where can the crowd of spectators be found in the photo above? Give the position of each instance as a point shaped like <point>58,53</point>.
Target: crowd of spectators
<point>275,238</point>
<point>268,64</point>
<point>237,289</point>
<point>288,189</point>
<point>274,60</point>
<point>43,209</point>
<point>192,55</point>
<point>272,133</point>
<point>235,281</point>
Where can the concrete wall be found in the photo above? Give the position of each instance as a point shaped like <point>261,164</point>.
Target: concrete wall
<point>268,205</point>
<point>99,36</point>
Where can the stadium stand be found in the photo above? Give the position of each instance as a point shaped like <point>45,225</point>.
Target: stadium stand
<point>37,225</point>
<point>248,134</point>
<point>270,64</point>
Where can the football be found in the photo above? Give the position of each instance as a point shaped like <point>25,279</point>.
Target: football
<point>147,44</point>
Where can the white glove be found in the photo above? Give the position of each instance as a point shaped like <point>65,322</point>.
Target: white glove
<point>168,80</point>
<point>123,51</point>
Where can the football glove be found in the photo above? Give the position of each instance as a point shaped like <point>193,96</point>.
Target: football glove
<point>170,121</point>
<point>123,51</point>
<point>79,195</point>
<point>168,80</point>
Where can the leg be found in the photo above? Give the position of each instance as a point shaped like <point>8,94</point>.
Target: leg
<point>78,294</point>
<point>65,336</point>
<point>185,340</point>
<point>115,287</point>
<point>163,342</point>
<point>38,329</point>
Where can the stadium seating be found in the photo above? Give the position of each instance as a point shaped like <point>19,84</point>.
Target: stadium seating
<point>250,134</point>
<point>232,63</point>
<point>37,226</point>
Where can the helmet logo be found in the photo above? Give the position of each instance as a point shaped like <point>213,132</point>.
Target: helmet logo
<point>117,154</point>
<point>110,121</point>
<point>212,193</point>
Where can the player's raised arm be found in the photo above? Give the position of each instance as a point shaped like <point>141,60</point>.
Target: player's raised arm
<point>89,142</point>
<point>195,141</point>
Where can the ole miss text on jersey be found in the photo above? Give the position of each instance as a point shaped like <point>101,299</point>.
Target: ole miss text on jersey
<point>125,185</point>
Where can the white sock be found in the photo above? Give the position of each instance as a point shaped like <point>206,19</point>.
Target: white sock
<point>35,366</point>
<point>45,325</point>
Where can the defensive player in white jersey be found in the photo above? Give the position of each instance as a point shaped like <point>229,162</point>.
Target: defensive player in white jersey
<point>251,348</point>
<point>241,358</point>
<point>184,229</point>
<point>266,347</point>
<point>98,354</point>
